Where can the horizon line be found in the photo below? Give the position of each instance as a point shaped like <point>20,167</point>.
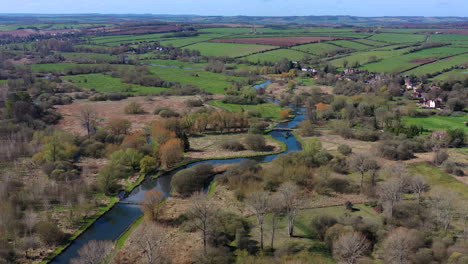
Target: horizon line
<point>195,15</point>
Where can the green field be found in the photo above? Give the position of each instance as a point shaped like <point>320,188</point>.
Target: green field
<point>211,82</point>
<point>449,38</point>
<point>438,178</point>
<point>351,45</point>
<point>457,74</point>
<point>98,57</point>
<point>179,42</point>
<point>363,56</point>
<point>104,83</point>
<point>398,38</point>
<point>266,110</point>
<point>371,42</point>
<point>316,48</point>
<point>407,61</point>
<point>176,63</point>
<point>439,122</point>
<point>277,55</point>
<point>439,65</point>
<point>228,49</point>
<point>117,40</point>
<point>53,67</point>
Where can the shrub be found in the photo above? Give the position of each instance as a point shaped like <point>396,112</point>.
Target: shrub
<point>452,168</point>
<point>456,138</point>
<point>49,233</point>
<point>306,128</point>
<point>134,108</point>
<point>168,113</point>
<point>284,113</point>
<point>232,145</point>
<point>255,142</point>
<point>339,185</point>
<point>116,96</point>
<point>367,135</point>
<point>159,109</point>
<point>194,103</point>
<point>320,224</point>
<point>396,149</point>
<point>188,181</point>
<point>92,148</point>
<point>439,157</point>
<point>258,128</point>
<point>345,149</point>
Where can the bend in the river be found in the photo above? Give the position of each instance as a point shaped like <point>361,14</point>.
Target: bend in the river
<point>116,221</point>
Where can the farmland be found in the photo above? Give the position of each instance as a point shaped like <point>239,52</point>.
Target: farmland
<point>235,50</point>
<point>277,55</point>
<point>398,38</point>
<point>453,74</point>
<point>211,82</point>
<point>407,61</point>
<point>351,45</point>
<point>316,48</point>
<point>285,41</point>
<point>108,84</point>
<point>358,106</point>
<point>440,65</point>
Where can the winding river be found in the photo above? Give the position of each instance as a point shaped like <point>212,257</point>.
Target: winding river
<point>115,222</point>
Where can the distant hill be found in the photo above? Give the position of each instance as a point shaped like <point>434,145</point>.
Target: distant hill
<point>323,20</point>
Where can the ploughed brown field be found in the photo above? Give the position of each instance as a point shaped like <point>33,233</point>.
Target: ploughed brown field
<point>278,41</point>
<point>423,60</point>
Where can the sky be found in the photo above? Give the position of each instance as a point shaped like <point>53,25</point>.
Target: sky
<point>365,8</point>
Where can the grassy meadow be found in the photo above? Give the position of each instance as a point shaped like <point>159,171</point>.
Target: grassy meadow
<point>265,110</point>
<point>439,122</point>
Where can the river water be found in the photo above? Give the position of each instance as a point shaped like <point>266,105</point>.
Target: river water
<point>113,223</point>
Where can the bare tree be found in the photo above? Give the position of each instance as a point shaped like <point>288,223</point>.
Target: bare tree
<point>151,239</point>
<point>290,201</point>
<point>152,204</point>
<point>30,220</point>
<point>443,207</point>
<point>276,210</point>
<point>418,185</point>
<point>463,209</point>
<point>88,118</point>
<point>362,163</point>
<point>400,245</point>
<point>390,193</point>
<point>259,205</point>
<point>349,247</point>
<point>93,252</point>
<point>202,212</point>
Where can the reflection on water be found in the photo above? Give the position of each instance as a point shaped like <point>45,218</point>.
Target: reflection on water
<point>116,221</point>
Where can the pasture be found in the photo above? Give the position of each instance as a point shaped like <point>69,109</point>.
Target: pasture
<point>453,74</point>
<point>407,61</point>
<point>351,45</point>
<point>439,65</point>
<point>398,38</point>
<point>316,48</point>
<point>439,122</point>
<point>228,49</point>
<point>265,110</point>
<point>277,55</point>
<point>107,84</point>
<point>371,42</point>
<point>211,82</point>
